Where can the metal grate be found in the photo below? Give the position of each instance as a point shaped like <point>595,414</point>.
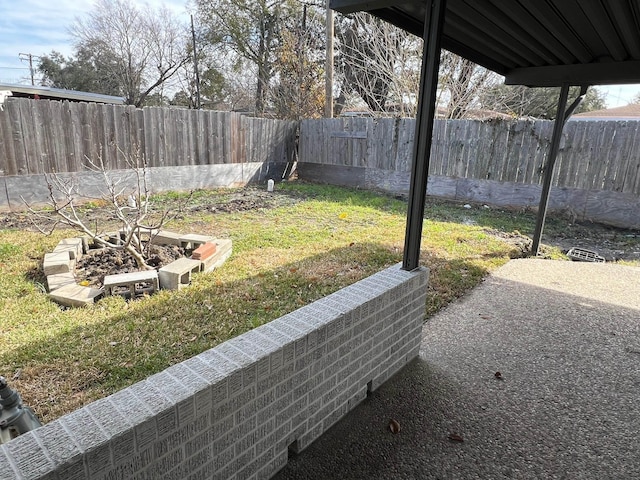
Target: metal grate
<point>582,255</point>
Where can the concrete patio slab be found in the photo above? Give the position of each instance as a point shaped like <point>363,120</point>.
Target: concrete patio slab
<point>565,337</point>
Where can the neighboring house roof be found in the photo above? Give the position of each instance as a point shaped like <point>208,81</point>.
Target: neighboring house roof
<point>49,93</point>
<point>631,111</point>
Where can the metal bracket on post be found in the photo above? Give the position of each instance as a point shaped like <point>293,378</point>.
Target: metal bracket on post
<point>433,24</point>
<point>562,116</point>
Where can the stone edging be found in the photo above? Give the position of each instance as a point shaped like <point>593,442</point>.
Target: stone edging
<point>59,265</point>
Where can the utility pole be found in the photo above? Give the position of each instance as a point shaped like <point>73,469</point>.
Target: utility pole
<point>195,65</point>
<point>29,56</point>
<point>328,68</point>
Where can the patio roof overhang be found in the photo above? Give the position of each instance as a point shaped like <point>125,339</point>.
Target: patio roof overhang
<point>531,42</point>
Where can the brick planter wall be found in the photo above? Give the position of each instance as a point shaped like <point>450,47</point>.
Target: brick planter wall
<point>237,409</point>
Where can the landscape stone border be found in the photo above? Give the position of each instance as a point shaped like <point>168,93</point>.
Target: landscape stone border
<point>208,254</point>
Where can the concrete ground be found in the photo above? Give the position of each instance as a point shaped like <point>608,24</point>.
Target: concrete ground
<point>565,337</point>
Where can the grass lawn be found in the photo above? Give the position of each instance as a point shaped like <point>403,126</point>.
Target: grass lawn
<point>313,241</point>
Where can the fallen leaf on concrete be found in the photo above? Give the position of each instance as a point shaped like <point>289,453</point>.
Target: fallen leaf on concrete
<point>454,437</point>
<point>394,426</point>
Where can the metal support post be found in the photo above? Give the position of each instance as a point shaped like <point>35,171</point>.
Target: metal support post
<point>434,20</point>
<point>562,116</point>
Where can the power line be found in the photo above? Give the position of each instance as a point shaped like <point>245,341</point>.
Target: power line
<point>30,57</point>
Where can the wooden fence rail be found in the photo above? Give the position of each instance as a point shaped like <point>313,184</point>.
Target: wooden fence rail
<point>594,155</point>
<point>40,136</point>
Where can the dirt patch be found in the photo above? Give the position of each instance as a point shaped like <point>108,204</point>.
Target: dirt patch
<point>98,263</point>
<point>250,198</point>
<point>612,243</point>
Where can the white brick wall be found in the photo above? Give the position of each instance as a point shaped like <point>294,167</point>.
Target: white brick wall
<point>235,410</point>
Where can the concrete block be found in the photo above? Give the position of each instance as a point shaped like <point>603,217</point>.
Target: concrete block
<point>194,240</point>
<point>58,262</point>
<point>71,245</point>
<point>177,274</point>
<point>75,295</point>
<point>165,237</point>
<point>131,284</point>
<point>143,233</point>
<point>59,280</point>
<point>223,252</point>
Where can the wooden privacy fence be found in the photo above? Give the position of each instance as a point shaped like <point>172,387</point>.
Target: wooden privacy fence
<point>39,136</point>
<point>594,155</point>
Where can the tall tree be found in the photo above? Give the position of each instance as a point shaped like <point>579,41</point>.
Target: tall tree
<point>251,29</point>
<point>298,90</point>
<point>86,72</point>
<point>378,62</point>
<point>147,47</point>
<point>461,84</point>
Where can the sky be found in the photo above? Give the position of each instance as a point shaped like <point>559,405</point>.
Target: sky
<point>37,27</point>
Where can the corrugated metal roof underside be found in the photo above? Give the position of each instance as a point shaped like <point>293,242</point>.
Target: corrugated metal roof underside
<point>532,42</point>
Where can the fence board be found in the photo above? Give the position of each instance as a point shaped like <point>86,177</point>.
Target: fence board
<point>438,162</point>
<point>55,131</point>
<point>512,150</point>
<point>41,135</point>
<point>622,158</point>
<point>483,161</point>
<point>7,151</point>
<point>56,136</point>
<point>632,169</point>
<point>594,155</point>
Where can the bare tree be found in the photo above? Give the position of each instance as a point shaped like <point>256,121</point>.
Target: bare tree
<point>126,198</point>
<point>379,62</point>
<point>276,42</point>
<point>248,28</point>
<point>146,48</point>
<point>298,90</point>
<point>539,102</point>
<point>462,84</point>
